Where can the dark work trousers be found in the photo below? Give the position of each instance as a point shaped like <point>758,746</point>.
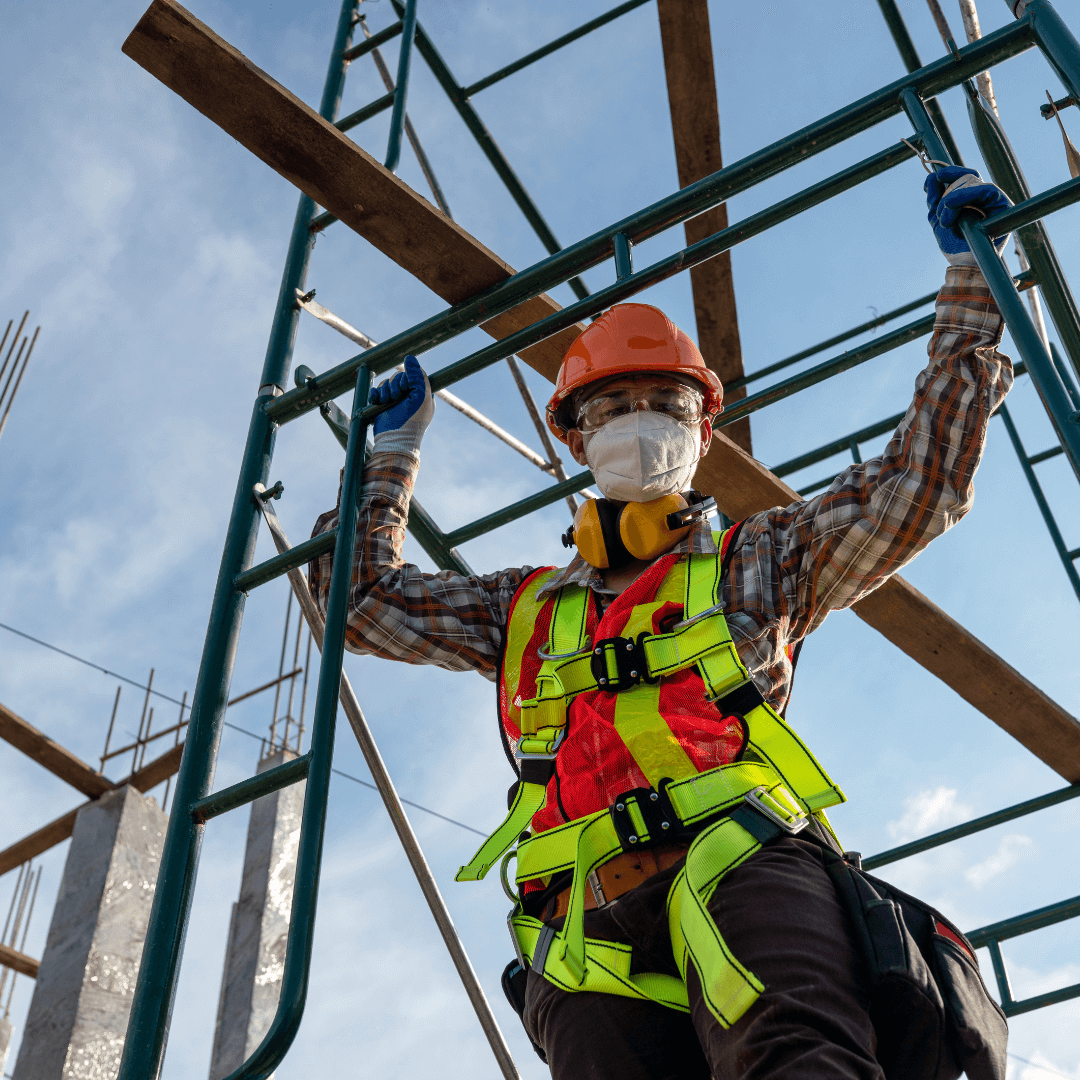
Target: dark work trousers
<point>780,916</point>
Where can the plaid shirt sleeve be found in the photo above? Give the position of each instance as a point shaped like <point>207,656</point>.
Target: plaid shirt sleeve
<point>797,563</point>
<point>395,610</point>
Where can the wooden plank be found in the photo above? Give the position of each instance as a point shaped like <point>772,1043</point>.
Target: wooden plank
<point>695,128</point>
<point>290,137</point>
<point>17,961</point>
<point>916,625</point>
<point>29,847</point>
<point>56,832</point>
<point>51,755</point>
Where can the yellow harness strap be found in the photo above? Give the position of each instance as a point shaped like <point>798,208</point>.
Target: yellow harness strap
<point>779,777</point>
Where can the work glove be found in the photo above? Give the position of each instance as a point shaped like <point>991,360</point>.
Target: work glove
<point>402,426</point>
<point>950,190</point>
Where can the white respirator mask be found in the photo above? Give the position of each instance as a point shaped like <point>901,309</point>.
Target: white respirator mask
<point>643,455</point>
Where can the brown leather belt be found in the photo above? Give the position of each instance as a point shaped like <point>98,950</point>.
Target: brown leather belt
<point>617,877</point>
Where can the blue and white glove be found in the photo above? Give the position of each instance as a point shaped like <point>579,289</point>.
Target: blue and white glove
<point>401,427</point>
<point>950,190</point>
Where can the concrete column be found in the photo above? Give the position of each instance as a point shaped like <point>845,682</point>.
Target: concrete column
<point>255,954</point>
<point>5,1041</point>
<point>82,996</point>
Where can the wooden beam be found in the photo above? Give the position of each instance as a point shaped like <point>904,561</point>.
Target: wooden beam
<point>56,832</point>
<point>51,755</point>
<point>695,128</point>
<point>189,58</point>
<point>17,961</point>
<point>917,626</point>
<point>290,137</point>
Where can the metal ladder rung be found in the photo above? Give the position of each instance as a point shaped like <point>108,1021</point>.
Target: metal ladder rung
<point>278,565</point>
<point>1045,455</point>
<point>254,787</point>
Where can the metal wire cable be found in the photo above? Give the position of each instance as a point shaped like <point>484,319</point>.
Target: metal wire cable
<point>235,727</point>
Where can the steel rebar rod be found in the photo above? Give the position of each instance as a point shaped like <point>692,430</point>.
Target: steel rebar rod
<point>396,811</point>
<point>18,381</point>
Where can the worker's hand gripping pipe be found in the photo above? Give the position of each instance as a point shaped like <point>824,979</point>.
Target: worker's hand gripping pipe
<point>1040,364</point>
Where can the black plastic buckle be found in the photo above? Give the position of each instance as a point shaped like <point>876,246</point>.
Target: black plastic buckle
<point>661,824</point>
<point>630,664</point>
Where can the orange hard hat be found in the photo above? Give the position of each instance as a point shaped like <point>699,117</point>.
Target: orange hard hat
<point>629,339</point>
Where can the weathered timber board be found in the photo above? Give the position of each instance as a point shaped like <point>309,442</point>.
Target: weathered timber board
<point>308,151</point>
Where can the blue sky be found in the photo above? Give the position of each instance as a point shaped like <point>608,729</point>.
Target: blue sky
<point>148,245</point>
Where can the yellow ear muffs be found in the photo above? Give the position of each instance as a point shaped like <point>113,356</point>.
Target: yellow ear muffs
<point>644,528</point>
<point>596,534</point>
<point>609,534</point>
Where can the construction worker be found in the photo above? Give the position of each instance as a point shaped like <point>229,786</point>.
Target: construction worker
<point>676,919</point>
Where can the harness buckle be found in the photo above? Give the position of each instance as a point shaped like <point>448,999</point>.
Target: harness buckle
<point>756,800</point>
<point>631,666</point>
<point>661,824</point>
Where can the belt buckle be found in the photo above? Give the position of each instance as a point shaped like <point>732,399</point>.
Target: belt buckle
<point>754,800</point>
<point>658,824</point>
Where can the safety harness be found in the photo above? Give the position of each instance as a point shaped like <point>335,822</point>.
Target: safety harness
<point>725,813</point>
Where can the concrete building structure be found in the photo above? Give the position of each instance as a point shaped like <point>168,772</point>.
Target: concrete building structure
<point>258,930</point>
<point>78,1015</point>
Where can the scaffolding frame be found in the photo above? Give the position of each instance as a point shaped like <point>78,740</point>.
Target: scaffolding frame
<point>1039,26</point>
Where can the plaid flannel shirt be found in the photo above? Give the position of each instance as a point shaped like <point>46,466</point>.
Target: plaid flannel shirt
<point>791,566</point>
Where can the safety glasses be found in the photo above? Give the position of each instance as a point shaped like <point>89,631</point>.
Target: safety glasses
<point>682,403</point>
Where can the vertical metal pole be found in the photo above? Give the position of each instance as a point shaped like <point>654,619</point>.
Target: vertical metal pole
<point>1000,974</point>
<point>144,1046</point>
<point>108,736</point>
<point>401,89</point>
<point>1057,43</point>
<point>1040,365</point>
<point>1040,499</point>
<point>294,979</point>
<point>624,260</point>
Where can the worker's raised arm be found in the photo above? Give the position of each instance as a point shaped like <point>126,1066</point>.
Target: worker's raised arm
<point>395,609</point>
<point>878,515</point>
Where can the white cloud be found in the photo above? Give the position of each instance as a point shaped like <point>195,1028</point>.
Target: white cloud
<point>1009,851</point>
<point>927,812</point>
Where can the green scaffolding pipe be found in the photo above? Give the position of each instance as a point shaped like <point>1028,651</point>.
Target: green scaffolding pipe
<point>373,42</point>
<point>1040,499</point>
<point>1024,924</point>
<point>906,47</point>
<point>553,494</point>
<point>870,324</point>
<point>838,445</point>
<point>254,787</point>
<point>827,370</point>
<point>1040,364</point>
<point>487,144</point>
<point>987,821</point>
<point>550,47</point>
<point>668,212</point>
<point>1057,198</point>
<point>152,1001</point>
